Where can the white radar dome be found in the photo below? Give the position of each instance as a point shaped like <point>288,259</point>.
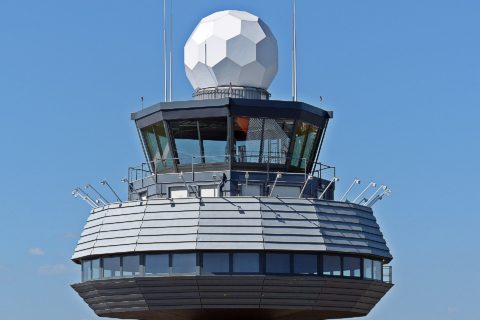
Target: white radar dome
<point>231,48</point>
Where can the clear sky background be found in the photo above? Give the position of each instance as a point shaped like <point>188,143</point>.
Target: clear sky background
<point>402,77</point>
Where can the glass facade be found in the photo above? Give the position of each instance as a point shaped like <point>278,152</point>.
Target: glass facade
<point>260,140</point>
<point>130,266</point>
<point>184,263</point>
<point>253,140</point>
<point>306,264</point>
<point>352,267</point>
<point>157,264</point>
<point>305,136</point>
<point>332,265</point>
<point>96,269</point>
<point>200,141</point>
<point>246,262</point>
<point>227,263</point>
<point>368,268</point>
<point>216,263</point>
<point>111,267</point>
<point>277,263</point>
<point>158,149</point>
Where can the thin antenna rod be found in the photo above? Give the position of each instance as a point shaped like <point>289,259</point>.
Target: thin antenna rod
<point>165,49</point>
<point>171,44</point>
<point>294,52</point>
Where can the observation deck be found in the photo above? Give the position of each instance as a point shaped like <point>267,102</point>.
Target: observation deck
<point>232,216</point>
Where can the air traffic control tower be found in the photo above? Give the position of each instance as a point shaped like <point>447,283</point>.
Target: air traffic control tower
<point>232,216</point>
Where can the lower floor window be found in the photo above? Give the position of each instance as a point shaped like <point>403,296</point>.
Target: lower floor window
<point>241,263</point>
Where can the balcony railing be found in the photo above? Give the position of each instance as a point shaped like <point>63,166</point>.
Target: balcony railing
<point>265,163</point>
<point>388,274</point>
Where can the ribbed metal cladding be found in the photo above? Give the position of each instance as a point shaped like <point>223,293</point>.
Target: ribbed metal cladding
<point>234,223</point>
<point>260,297</point>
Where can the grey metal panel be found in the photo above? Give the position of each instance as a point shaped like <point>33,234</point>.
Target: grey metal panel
<point>233,223</point>
<point>286,298</point>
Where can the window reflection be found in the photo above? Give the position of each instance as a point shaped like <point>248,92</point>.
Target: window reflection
<point>377,270</point>
<point>305,135</point>
<point>158,148</point>
<point>86,270</point>
<point>156,264</point>
<point>111,267</point>
<point>351,267</point>
<point>200,141</point>
<point>368,268</point>
<point>216,263</point>
<point>277,263</point>
<point>260,140</point>
<point>96,269</point>
<point>246,263</point>
<point>184,263</point>
<point>131,266</point>
<point>228,263</point>
<point>305,264</point>
<point>332,266</point>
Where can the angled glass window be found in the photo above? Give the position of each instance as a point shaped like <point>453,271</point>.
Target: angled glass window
<point>216,263</point>
<point>352,267</point>
<point>367,268</point>
<point>130,266</point>
<point>200,141</point>
<point>184,263</point>
<point>213,136</point>
<point>332,266</point>
<point>304,146</point>
<point>246,262</point>
<point>262,140</point>
<point>111,267</point>
<point>86,270</point>
<point>305,264</point>
<point>277,263</point>
<point>377,270</point>
<point>96,269</point>
<point>156,264</point>
<point>158,148</point>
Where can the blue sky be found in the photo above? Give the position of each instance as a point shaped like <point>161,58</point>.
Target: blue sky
<point>403,78</point>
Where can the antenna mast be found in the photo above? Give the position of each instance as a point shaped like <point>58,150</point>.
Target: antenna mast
<point>165,49</point>
<point>294,52</point>
<point>171,44</point>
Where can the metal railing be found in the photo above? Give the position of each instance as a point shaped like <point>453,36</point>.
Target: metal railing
<point>387,274</point>
<point>247,162</point>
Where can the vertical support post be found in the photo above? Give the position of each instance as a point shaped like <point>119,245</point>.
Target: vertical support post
<point>294,53</point>
<point>165,50</point>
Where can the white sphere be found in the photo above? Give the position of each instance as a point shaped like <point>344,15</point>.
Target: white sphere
<point>231,47</point>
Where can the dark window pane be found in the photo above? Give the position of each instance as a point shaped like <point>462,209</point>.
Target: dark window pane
<point>277,263</point>
<point>377,270</point>
<point>216,263</point>
<point>185,134</point>
<point>305,264</point>
<point>96,271</point>
<point>213,135</point>
<point>158,148</point>
<point>332,266</point>
<point>367,268</point>
<point>184,263</point>
<point>259,140</point>
<point>246,263</point>
<point>86,270</point>
<point>131,266</point>
<point>111,267</point>
<point>200,141</point>
<point>156,264</point>
<point>305,136</point>
<point>351,267</point>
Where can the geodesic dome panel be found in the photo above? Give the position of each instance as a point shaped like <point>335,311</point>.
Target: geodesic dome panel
<point>231,47</point>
